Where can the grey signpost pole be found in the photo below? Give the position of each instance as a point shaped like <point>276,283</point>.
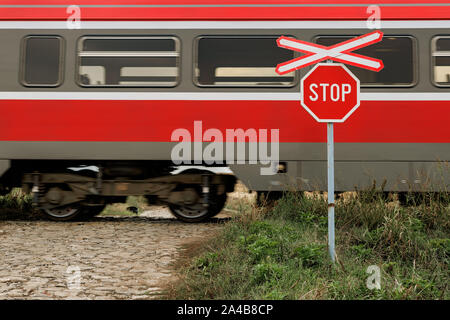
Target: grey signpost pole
<point>330,165</point>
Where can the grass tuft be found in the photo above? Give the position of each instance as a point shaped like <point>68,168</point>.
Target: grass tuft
<point>16,205</point>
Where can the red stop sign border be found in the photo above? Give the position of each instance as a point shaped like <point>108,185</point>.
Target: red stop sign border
<point>357,93</point>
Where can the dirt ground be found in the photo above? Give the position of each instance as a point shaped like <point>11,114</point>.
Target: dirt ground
<point>103,258</point>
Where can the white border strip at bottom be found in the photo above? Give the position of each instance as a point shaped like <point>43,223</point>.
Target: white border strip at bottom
<point>212,96</point>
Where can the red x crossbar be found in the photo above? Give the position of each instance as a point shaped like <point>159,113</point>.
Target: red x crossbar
<point>339,52</point>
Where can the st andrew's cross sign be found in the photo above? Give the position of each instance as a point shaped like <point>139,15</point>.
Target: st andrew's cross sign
<point>330,92</point>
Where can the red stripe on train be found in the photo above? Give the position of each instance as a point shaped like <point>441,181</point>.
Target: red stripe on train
<point>72,120</point>
<point>228,13</point>
<point>206,2</point>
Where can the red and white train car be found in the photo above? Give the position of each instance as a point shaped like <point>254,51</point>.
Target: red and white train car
<point>107,84</point>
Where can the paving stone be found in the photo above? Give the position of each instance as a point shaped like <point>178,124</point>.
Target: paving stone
<point>120,258</point>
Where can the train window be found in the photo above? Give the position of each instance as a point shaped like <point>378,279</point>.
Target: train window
<point>128,61</point>
<point>441,61</point>
<point>240,62</point>
<point>42,61</point>
<point>398,54</point>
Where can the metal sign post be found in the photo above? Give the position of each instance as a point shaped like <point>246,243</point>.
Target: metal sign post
<point>330,166</point>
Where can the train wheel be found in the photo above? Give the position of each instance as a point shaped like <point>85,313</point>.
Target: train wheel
<point>218,204</point>
<point>63,213</point>
<point>193,213</point>
<point>197,212</point>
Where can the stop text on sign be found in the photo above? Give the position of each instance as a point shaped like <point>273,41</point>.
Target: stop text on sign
<point>330,91</point>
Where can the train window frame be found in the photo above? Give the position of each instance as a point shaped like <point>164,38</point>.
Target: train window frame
<point>433,60</point>
<point>79,45</point>
<point>195,64</point>
<point>415,60</point>
<point>61,61</point>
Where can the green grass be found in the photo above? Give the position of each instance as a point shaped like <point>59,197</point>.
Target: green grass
<point>16,205</point>
<point>281,253</point>
<point>120,209</point>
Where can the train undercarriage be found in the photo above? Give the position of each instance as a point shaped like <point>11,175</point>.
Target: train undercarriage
<point>73,189</point>
<point>67,190</point>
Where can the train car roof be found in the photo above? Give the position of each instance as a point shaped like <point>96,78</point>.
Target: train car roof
<point>224,9</point>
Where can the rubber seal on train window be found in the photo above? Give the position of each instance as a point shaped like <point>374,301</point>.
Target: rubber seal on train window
<point>23,57</point>
<point>176,54</point>
<point>433,61</point>
<point>195,72</point>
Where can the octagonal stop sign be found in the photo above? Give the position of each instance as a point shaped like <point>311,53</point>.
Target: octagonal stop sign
<point>330,92</point>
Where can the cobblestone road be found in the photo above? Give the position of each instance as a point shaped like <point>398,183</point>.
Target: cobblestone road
<point>105,258</point>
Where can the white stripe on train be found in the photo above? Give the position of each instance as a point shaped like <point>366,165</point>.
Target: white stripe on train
<point>271,25</point>
<point>211,96</point>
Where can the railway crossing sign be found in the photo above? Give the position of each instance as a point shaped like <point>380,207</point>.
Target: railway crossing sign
<point>330,92</point>
<point>340,52</point>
